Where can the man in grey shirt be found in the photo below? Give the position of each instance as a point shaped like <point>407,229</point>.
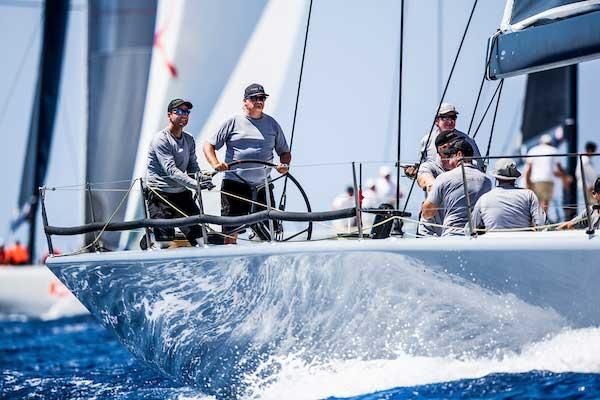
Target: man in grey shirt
<point>507,206</point>
<point>444,131</point>
<point>447,196</point>
<point>171,158</point>
<point>250,136</point>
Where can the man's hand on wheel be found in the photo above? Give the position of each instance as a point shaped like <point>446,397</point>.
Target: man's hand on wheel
<point>221,167</point>
<point>282,168</point>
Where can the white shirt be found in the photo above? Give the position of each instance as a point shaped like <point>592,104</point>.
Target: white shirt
<point>542,168</point>
<point>386,189</point>
<point>589,172</point>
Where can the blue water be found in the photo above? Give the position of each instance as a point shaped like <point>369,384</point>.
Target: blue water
<point>77,358</point>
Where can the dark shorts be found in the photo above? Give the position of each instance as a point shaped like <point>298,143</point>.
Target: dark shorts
<point>158,209</point>
<point>232,206</point>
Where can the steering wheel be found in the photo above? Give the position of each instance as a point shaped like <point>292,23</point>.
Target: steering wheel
<point>262,228</point>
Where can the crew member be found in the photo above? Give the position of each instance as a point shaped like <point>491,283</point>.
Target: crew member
<point>17,254</point>
<point>172,157</point>
<point>447,196</point>
<point>252,135</point>
<point>581,221</point>
<point>540,171</point>
<point>507,206</point>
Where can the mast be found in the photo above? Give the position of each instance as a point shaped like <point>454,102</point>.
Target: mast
<point>399,107</point>
<point>41,126</point>
<point>570,131</point>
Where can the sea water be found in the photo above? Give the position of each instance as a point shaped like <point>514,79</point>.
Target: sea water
<point>76,358</point>
<point>319,331</point>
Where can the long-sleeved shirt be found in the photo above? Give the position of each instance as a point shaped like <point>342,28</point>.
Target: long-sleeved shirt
<point>170,160</point>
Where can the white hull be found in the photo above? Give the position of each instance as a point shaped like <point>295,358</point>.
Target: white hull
<point>184,304</point>
<point>33,292</point>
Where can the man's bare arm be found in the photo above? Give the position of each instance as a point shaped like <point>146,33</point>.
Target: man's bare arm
<point>428,209</point>
<point>211,156</point>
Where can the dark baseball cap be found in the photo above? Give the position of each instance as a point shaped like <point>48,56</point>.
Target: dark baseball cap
<point>446,137</point>
<point>178,103</point>
<point>459,145</point>
<point>254,90</point>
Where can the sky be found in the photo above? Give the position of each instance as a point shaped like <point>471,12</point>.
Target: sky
<point>348,101</point>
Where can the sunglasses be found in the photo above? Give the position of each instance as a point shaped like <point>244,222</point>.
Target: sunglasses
<point>447,117</point>
<point>257,98</point>
<point>180,111</point>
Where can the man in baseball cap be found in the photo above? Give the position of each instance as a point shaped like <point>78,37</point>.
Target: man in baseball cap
<point>507,206</point>
<point>447,196</point>
<point>171,160</point>
<point>253,135</point>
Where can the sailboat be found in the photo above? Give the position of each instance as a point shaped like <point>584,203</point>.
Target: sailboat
<point>214,315</point>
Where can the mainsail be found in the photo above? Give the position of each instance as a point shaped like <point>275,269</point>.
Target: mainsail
<point>41,127</point>
<point>120,40</point>
<point>539,35</point>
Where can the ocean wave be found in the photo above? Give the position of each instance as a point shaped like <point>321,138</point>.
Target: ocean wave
<point>234,326</point>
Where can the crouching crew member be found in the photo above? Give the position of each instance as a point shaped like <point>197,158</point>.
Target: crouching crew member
<point>581,221</point>
<point>507,206</point>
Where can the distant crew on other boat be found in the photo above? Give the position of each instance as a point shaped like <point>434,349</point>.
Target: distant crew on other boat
<point>589,172</point>
<point>581,221</point>
<point>16,254</point>
<point>341,201</point>
<point>507,206</point>
<point>386,187</point>
<point>252,135</point>
<point>447,196</point>
<point>171,158</point>
<point>540,171</point>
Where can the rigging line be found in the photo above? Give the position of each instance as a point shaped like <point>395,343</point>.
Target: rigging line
<point>487,109</point>
<point>399,106</point>
<point>487,152</point>
<point>283,198</point>
<point>424,151</point>
<point>13,86</point>
<point>487,65</point>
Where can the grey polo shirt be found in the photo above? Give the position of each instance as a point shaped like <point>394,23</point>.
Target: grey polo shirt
<point>449,195</point>
<point>247,138</point>
<point>170,160</point>
<point>508,207</point>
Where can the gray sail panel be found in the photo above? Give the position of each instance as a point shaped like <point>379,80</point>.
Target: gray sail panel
<point>548,102</point>
<point>120,40</point>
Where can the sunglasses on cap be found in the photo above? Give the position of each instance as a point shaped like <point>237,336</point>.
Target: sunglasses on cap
<point>447,117</point>
<point>257,98</point>
<point>180,111</point>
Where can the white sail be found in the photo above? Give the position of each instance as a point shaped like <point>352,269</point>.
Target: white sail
<point>200,58</point>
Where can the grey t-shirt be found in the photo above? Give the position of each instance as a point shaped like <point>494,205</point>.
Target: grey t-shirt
<point>431,153</point>
<point>581,221</point>
<point>508,207</point>
<point>449,195</point>
<point>247,138</point>
<point>434,168</point>
<point>170,160</point>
